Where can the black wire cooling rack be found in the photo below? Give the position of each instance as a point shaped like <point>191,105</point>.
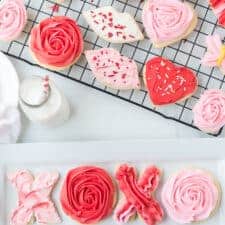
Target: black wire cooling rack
<point>187,52</point>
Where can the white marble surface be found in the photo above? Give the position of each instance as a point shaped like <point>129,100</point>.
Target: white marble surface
<point>98,116</point>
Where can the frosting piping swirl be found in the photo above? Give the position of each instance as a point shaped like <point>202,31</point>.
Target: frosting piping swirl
<point>209,111</point>
<point>88,194</point>
<point>56,42</point>
<point>166,20</point>
<point>190,196</point>
<point>13,17</point>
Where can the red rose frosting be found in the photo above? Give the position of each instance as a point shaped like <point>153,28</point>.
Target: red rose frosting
<point>56,42</point>
<point>88,194</point>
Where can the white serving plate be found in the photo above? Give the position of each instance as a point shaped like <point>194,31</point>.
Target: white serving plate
<point>168,155</point>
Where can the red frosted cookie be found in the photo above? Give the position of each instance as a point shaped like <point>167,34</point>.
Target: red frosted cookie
<point>88,194</point>
<point>112,69</point>
<point>218,7</point>
<point>56,43</point>
<point>167,83</point>
<point>138,195</point>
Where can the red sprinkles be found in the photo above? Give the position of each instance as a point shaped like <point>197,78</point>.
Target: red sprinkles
<point>167,83</point>
<point>106,21</point>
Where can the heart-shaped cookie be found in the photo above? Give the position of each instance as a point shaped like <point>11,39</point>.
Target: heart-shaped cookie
<point>113,26</point>
<point>167,83</point>
<point>112,69</point>
<point>169,21</point>
<point>218,7</point>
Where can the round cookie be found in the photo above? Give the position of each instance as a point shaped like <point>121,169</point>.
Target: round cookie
<point>88,194</point>
<point>209,111</point>
<point>167,22</point>
<point>13,16</point>
<point>167,83</point>
<point>56,43</point>
<point>191,195</point>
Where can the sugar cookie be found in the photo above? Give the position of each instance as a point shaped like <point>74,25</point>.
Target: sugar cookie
<point>167,22</point>
<point>167,83</point>
<point>113,26</point>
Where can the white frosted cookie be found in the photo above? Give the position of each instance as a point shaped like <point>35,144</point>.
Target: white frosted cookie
<point>113,26</point>
<point>112,69</point>
<point>167,22</point>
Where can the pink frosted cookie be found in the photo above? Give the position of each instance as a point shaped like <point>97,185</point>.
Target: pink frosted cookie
<point>138,194</point>
<point>209,111</point>
<point>167,22</point>
<point>215,55</point>
<point>113,26</point>
<point>13,18</point>
<point>34,201</point>
<point>112,69</point>
<point>191,195</point>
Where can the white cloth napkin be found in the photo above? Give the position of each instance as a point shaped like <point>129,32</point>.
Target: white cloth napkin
<point>10,124</point>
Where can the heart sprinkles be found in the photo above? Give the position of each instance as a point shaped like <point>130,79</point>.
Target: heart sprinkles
<point>167,83</point>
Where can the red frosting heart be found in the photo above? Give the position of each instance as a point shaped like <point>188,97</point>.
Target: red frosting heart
<point>167,83</point>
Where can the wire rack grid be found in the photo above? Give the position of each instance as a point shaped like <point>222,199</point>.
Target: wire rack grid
<point>185,53</point>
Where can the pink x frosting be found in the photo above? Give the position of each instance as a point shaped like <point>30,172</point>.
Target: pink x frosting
<point>34,201</point>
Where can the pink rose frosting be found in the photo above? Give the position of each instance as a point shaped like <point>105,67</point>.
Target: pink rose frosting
<point>209,111</point>
<point>190,196</point>
<point>166,20</point>
<point>13,17</point>
<point>213,54</point>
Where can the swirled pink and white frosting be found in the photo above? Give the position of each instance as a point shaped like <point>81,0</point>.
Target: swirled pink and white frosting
<point>165,21</point>
<point>13,17</point>
<point>190,196</point>
<point>209,111</point>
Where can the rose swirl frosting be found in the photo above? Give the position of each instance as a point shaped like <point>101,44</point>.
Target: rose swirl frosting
<point>13,17</point>
<point>209,111</point>
<point>190,196</point>
<point>56,42</point>
<point>166,20</point>
<point>88,194</point>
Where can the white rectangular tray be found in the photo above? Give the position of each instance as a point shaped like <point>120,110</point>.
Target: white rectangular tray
<point>170,156</point>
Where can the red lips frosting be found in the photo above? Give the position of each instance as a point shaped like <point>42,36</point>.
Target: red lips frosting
<point>88,194</point>
<point>167,83</point>
<point>56,42</point>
